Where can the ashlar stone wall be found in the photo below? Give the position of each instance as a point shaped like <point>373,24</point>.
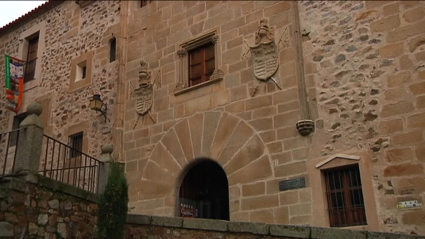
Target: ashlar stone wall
<point>364,66</point>
<point>245,125</point>
<point>70,31</point>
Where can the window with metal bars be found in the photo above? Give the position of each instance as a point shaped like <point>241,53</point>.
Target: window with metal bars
<point>201,64</point>
<point>31,58</point>
<point>345,197</point>
<point>145,2</point>
<point>76,144</point>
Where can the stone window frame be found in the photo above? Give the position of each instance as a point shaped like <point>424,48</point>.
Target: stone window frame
<point>31,63</point>
<point>315,169</point>
<point>344,179</point>
<point>85,60</point>
<point>183,72</point>
<point>70,131</point>
<point>202,52</point>
<point>40,29</point>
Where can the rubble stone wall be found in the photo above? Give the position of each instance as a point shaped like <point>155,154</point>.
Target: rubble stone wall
<point>69,31</point>
<point>44,208</point>
<point>364,66</point>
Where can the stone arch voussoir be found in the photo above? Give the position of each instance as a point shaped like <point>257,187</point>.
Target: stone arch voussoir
<point>219,136</point>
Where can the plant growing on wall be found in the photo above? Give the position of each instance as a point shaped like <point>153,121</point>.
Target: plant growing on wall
<point>113,205</point>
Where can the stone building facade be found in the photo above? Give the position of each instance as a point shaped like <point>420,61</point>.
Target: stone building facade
<point>353,68</point>
<point>68,35</point>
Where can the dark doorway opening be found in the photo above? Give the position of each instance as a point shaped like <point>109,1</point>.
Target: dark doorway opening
<point>204,192</point>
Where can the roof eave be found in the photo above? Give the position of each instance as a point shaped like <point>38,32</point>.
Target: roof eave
<point>36,12</point>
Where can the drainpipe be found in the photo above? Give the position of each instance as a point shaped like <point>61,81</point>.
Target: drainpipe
<point>305,126</point>
<point>120,87</point>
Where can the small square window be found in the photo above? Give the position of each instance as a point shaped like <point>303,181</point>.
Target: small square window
<point>345,197</point>
<point>81,72</point>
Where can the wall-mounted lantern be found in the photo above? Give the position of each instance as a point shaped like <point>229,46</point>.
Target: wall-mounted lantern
<point>97,104</point>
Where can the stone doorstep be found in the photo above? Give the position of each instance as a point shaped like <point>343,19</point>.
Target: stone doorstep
<point>291,231</point>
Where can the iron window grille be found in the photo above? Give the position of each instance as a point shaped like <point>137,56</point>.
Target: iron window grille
<point>76,144</point>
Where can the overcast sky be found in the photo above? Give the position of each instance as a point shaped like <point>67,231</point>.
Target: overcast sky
<point>11,10</point>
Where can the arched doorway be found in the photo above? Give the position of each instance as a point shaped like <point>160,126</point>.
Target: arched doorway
<point>204,192</point>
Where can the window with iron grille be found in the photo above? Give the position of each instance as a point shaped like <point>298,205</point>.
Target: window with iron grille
<point>17,120</point>
<point>201,64</point>
<point>145,2</point>
<point>345,197</point>
<point>76,144</point>
<point>31,58</point>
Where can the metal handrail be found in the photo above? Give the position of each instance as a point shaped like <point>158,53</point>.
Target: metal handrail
<point>81,171</point>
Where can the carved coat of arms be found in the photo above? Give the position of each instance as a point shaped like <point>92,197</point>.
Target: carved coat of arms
<point>264,53</point>
<point>144,94</point>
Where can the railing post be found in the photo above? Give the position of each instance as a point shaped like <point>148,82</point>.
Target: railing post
<point>30,141</point>
<point>105,168</point>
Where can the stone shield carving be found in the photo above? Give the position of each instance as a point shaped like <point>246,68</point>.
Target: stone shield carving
<point>265,60</point>
<point>264,53</point>
<point>144,94</point>
<point>144,98</point>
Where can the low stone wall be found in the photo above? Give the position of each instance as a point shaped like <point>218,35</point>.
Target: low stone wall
<point>140,226</point>
<point>37,207</point>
